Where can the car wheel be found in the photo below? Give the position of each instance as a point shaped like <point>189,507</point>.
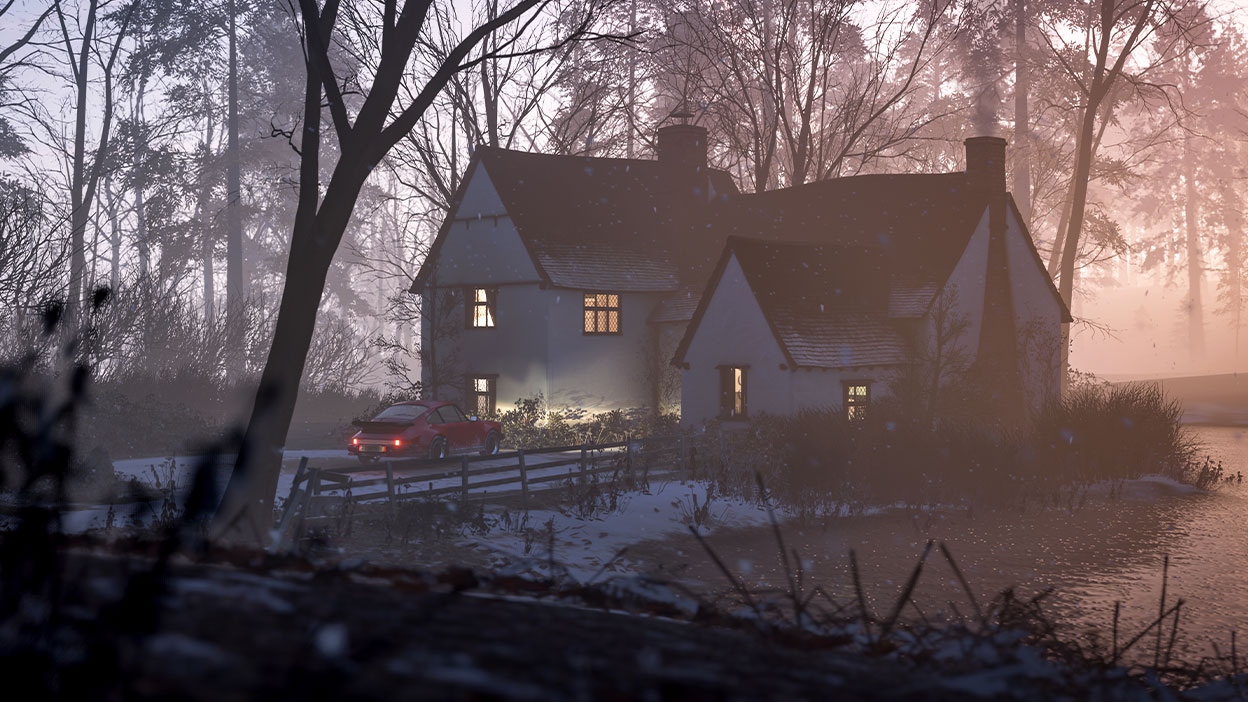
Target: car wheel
<point>437,449</point>
<point>492,441</point>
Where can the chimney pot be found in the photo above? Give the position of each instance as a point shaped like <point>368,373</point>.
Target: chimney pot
<point>985,164</point>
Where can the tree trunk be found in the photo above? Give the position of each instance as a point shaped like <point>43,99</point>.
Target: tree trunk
<point>79,207</point>
<point>254,480</point>
<point>233,215</point>
<point>1195,262</point>
<point>140,204</point>
<point>1022,120</point>
<point>1235,261</point>
<point>202,215</point>
<point>1079,200</point>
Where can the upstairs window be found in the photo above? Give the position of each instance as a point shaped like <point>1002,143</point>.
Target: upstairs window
<point>481,307</point>
<point>857,397</point>
<point>732,392</point>
<point>482,395</point>
<point>602,313</point>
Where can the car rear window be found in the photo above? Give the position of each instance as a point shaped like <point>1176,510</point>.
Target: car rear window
<point>401,413</point>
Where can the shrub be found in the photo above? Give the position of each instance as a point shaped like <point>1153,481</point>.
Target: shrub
<point>1114,432</point>
<point>819,462</point>
<point>532,423</point>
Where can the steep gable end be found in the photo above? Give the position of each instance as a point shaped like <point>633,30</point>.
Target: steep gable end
<point>478,243</point>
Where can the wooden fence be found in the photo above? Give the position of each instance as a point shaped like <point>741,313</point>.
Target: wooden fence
<point>316,493</point>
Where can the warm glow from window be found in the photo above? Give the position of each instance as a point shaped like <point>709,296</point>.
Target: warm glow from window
<point>732,392</point>
<point>481,311</point>
<point>602,313</point>
<point>857,397</point>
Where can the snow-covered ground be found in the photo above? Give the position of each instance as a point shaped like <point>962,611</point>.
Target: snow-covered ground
<point>591,547</point>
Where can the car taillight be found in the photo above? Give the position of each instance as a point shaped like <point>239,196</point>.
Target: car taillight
<point>355,442</point>
<point>398,442</point>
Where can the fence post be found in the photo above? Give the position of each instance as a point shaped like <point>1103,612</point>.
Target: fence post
<point>524,480</point>
<point>294,490</point>
<point>390,488</point>
<point>463,476</point>
<point>684,456</point>
<point>584,466</point>
<point>314,486</point>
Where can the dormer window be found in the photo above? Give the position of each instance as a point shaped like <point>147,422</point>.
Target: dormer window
<point>602,313</point>
<point>481,308</point>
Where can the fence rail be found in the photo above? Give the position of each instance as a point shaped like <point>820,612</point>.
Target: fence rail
<point>316,491</point>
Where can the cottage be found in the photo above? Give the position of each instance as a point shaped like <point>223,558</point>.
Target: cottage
<point>829,295</point>
<point>618,283</point>
<point>569,277</point>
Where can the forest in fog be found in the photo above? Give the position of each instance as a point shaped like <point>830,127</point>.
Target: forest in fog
<point>153,147</point>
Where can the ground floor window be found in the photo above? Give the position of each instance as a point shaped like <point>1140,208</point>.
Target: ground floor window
<point>857,397</point>
<point>482,395</point>
<point>732,392</point>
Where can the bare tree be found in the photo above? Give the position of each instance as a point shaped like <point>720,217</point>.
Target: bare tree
<point>84,177</point>
<point>389,40</point>
<point>803,90</point>
<point>1120,32</point>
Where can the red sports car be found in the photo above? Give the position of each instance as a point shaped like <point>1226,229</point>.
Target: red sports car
<point>424,428</point>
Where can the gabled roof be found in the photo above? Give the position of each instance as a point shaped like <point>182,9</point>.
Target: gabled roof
<point>827,306</point>
<point>587,222</point>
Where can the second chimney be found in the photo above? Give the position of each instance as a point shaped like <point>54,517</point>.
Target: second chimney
<point>682,161</point>
<point>985,164</point>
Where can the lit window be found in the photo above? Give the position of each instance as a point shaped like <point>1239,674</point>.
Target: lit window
<point>481,307</point>
<point>857,397</point>
<point>732,392</point>
<point>602,313</point>
<point>482,395</point>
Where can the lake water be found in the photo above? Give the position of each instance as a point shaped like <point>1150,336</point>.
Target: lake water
<point>1109,550</point>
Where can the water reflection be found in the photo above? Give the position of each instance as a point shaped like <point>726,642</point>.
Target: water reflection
<point>1110,550</point>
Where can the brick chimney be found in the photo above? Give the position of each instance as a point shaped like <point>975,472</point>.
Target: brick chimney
<point>682,159</point>
<point>684,189</point>
<point>998,355</point>
<point>985,164</point>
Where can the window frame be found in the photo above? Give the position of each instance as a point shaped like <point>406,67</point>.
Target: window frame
<point>607,308</point>
<point>473,395</point>
<point>471,304</point>
<point>728,393</point>
<point>850,403</point>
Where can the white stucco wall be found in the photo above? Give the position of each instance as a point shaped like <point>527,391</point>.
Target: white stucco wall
<point>823,388</point>
<point>482,245</point>
<point>537,345</point>
<point>1037,319</point>
<point>733,331</point>
<point>600,372</point>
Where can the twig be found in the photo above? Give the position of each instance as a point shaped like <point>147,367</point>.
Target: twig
<point>1165,576</point>
<point>606,565</point>
<point>1117,612</point>
<point>737,584</point>
<point>1142,634</point>
<point>862,600</point>
<point>979,613</point>
<point>906,591</point>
